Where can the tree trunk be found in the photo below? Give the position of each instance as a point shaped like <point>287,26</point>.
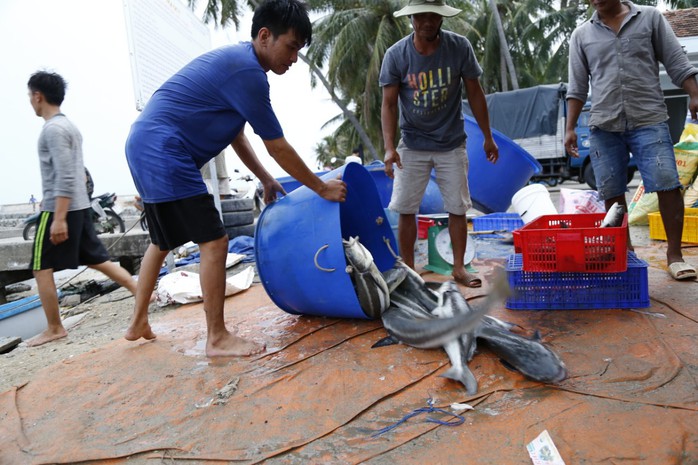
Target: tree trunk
<point>347,113</point>
<point>503,73</point>
<point>503,45</point>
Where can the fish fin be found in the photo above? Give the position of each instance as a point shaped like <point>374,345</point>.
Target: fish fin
<point>386,341</point>
<point>537,336</point>
<point>509,366</point>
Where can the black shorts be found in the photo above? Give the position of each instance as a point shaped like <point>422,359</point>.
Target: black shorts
<point>81,248</point>
<point>174,223</point>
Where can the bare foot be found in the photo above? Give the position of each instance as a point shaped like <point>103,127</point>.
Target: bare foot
<point>46,336</point>
<point>137,331</point>
<point>232,346</point>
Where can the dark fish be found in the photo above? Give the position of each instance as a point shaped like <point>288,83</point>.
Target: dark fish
<point>436,332</point>
<point>413,288</point>
<point>371,288</point>
<point>614,216</point>
<point>427,334</point>
<point>528,356</point>
<point>395,275</point>
<point>461,350</point>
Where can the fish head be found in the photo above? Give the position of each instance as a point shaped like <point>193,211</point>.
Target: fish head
<point>357,255</point>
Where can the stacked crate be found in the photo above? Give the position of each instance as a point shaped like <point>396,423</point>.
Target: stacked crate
<point>570,262</point>
<point>496,223</point>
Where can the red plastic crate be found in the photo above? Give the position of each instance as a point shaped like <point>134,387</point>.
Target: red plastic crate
<point>423,225</point>
<point>573,242</point>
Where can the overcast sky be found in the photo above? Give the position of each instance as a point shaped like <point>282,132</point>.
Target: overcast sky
<point>85,41</point>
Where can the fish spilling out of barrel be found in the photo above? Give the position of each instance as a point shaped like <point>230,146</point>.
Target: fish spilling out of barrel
<point>437,315</point>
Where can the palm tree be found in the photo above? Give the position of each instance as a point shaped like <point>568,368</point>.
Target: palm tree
<point>519,41</point>
<point>222,12</point>
<point>681,4</point>
<point>503,45</point>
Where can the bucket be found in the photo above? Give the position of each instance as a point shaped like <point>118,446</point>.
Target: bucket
<point>492,186</point>
<point>533,201</point>
<point>299,249</point>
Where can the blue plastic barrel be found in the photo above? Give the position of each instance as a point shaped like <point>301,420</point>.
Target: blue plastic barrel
<point>432,202</point>
<point>299,249</point>
<point>492,186</point>
<point>290,184</point>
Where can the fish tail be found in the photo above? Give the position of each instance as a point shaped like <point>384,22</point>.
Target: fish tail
<point>464,376</point>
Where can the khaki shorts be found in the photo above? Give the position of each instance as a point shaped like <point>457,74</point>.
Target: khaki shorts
<point>451,173</point>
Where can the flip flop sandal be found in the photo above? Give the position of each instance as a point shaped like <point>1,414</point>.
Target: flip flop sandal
<point>682,270</point>
<point>470,281</point>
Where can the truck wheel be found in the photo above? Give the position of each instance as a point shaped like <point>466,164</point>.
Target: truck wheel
<point>589,177</point>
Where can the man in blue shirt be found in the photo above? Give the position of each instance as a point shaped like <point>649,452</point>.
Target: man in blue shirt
<point>189,120</point>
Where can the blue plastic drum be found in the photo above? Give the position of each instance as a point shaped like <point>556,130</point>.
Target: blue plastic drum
<point>492,186</point>
<point>431,202</point>
<point>299,249</point>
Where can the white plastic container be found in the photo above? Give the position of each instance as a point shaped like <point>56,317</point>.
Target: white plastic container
<point>533,201</point>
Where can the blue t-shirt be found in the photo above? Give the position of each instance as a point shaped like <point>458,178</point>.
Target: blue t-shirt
<point>193,116</point>
<point>431,90</point>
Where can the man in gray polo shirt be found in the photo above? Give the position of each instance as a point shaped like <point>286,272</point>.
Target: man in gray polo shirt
<point>619,50</point>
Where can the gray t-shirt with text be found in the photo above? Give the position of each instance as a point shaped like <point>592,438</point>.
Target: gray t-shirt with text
<point>431,90</point>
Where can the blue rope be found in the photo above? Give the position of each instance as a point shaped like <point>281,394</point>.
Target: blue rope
<point>458,419</point>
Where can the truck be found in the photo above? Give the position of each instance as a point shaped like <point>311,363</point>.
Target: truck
<point>535,119</point>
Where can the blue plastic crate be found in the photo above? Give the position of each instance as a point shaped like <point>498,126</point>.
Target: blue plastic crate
<point>497,222</point>
<point>541,290</point>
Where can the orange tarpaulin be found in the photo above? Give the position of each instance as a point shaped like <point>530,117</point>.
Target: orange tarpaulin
<point>320,392</point>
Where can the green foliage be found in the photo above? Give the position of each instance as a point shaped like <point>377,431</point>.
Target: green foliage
<point>351,37</point>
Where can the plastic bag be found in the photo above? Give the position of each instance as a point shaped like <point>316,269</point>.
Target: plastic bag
<point>183,287</point>
<point>690,197</point>
<point>580,201</point>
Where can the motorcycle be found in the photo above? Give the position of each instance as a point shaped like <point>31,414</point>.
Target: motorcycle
<point>104,218</point>
<point>245,187</point>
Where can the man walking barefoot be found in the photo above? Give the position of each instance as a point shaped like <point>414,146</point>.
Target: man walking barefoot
<point>189,120</point>
<point>65,237</point>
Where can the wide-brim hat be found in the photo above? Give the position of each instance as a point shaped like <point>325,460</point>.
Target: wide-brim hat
<point>414,7</point>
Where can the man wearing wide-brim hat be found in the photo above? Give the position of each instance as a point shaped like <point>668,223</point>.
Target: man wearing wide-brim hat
<point>427,6</point>
<point>423,75</point>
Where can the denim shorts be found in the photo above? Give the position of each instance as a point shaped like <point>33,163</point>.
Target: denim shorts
<point>451,173</point>
<point>652,150</point>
